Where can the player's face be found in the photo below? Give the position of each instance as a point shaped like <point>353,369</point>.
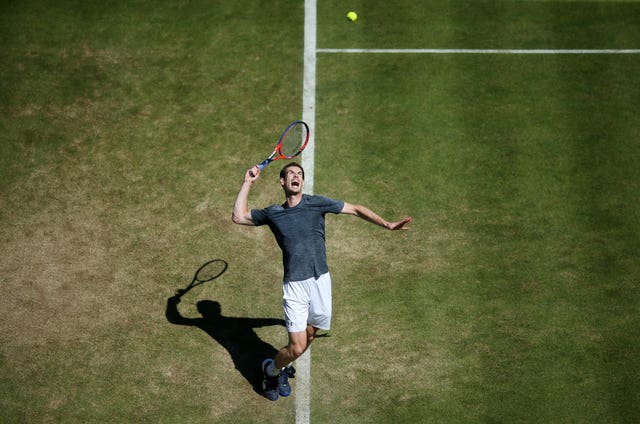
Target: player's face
<point>292,181</point>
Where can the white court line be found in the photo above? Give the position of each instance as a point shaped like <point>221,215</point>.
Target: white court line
<point>303,363</point>
<point>309,91</point>
<point>485,51</point>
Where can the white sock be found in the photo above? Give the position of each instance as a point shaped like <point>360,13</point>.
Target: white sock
<point>272,370</point>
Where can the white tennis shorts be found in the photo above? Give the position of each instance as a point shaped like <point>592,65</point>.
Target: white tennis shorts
<point>307,302</point>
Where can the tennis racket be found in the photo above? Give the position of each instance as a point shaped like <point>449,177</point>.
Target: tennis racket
<point>292,142</point>
<point>208,271</point>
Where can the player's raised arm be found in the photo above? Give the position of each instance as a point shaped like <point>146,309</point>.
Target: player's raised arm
<point>241,213</point>
<point>368,215</point>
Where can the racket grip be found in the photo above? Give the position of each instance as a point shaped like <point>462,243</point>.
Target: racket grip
<point>261,166</point>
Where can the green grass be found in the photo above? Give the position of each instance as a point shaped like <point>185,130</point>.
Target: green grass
<point>522,265</point>
<point>126,129</point>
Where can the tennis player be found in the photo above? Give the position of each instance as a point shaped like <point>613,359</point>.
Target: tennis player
<point>298,226</point>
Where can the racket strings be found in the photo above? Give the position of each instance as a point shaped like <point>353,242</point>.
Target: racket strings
<point>293,140</point>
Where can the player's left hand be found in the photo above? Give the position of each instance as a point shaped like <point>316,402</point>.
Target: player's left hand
<point>400,225</point>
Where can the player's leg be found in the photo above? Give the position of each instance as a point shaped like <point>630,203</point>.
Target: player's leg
<point>278,370</point>
<point>298,343</point>
<point>310,315</point>
<point>296,311</point>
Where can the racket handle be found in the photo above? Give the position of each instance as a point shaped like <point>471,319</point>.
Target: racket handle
<point>261,166</point>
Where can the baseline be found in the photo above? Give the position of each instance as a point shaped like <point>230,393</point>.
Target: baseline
<point>482,51</point>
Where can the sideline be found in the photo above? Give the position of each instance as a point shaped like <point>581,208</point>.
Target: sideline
<point>303,363</point>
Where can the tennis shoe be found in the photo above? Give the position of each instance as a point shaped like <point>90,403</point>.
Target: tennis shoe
<point>284,388</point>
<point>270,385</point>
<point>291,371</point>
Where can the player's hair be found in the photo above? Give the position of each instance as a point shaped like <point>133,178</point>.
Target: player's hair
<point>283,171</point>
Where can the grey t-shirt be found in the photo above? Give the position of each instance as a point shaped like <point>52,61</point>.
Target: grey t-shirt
<point>299,232</point>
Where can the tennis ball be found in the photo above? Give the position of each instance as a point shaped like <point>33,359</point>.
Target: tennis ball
<point>352,16</point>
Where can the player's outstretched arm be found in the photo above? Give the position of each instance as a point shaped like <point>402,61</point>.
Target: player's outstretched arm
<point>368,215</point>
<point>241,213</point>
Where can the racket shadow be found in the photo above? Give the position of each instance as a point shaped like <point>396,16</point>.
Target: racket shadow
<point>236,334</point>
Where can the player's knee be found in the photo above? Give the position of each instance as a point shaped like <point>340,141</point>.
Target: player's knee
<point>298,349</point>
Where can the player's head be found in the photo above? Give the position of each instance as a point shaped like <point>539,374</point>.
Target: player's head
<point>283,171</point>
<point>292,179</point>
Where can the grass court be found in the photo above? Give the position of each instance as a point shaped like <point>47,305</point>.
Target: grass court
<point>126,128</point>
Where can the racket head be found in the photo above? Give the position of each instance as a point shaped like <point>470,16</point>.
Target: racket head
<point>293,140</point>
<point>210,270</point>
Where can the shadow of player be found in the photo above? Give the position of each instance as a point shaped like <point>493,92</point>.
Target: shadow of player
<point>235,334</point>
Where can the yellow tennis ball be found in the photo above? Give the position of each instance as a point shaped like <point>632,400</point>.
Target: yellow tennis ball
<point>352,16</point>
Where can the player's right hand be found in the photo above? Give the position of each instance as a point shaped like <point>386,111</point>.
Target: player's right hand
<point>252,174</point>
